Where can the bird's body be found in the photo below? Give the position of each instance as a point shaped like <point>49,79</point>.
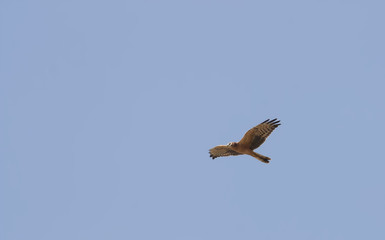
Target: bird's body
<point>250,141</point>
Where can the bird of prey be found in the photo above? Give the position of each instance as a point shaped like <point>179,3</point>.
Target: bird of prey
<point>250,141</point>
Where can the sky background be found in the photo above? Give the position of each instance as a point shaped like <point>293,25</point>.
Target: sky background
<point>108,109</point>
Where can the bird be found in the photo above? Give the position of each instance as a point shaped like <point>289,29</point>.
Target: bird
<point>250,141</point>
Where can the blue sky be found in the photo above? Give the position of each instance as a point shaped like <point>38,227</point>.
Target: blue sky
<point>108,109</point>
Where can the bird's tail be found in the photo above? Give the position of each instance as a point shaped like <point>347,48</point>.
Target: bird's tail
<point>261,158</point>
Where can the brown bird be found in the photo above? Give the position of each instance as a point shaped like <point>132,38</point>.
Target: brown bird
<point>250,141</point>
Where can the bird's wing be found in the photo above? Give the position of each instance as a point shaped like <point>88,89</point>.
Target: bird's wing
<point>222,151</point>
<point>258,134</point>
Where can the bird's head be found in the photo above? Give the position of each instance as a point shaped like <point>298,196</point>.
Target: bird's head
<point>232,144</point>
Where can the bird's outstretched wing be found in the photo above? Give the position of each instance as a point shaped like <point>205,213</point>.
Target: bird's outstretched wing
<point>222,151</point>
<point>258,134</point>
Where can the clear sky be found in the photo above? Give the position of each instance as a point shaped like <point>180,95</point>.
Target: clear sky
<point>108,109</point>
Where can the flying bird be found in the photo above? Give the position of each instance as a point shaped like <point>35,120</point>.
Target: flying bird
<point>250,141</point>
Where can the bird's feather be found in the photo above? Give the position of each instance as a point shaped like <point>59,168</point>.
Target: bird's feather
<point>258,134</point>
<point>222,151</point>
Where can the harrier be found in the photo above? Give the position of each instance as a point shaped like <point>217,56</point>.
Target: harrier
<point>250,141</point>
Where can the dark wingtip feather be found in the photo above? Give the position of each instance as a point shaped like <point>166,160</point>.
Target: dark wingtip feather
<point>275,122</point>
